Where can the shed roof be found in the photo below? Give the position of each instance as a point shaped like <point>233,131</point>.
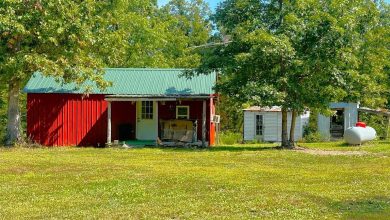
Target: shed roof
<point>132,81</point>
<point>263,109</point>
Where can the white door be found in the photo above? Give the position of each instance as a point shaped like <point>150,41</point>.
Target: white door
<point>147,123</point>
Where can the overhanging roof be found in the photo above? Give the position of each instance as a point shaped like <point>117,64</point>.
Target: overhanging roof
<point>130,81</point>
<point>156,98</point>
<point>383,112</point>
<point>264,109</point>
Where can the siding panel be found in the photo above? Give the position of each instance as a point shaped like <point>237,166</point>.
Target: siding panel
<point>66,119</point>
<point>249,126</point>
<point>272,126</point>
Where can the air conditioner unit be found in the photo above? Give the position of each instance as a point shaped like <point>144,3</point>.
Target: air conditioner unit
<point>216,119</point>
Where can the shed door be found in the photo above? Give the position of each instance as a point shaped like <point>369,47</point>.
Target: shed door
<point>147,120</point>
<point>259,127</point>
<point>337,123</point>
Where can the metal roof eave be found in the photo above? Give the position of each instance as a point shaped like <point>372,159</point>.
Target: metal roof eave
<point>131,81</point>
<point>155,97</point>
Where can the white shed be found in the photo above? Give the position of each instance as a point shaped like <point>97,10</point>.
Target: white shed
<point>345,116</point>
<point>265,124</point>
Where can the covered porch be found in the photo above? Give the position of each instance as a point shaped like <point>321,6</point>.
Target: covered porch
<point>163,120</point>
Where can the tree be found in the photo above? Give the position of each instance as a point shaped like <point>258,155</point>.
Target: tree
<point>56,38</point>
<point>298,54</point>
<point>188,26</point>
<point>232,116</point>
<point>158,37</point>
<point>73,40</point>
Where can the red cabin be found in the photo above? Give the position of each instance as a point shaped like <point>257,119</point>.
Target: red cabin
<point>141,104</point>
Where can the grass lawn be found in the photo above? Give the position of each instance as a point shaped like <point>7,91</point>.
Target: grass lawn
<point>382,147</point>
<point>233,182</point>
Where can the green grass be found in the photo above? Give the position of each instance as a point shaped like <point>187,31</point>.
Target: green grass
<point>379,147</point>
<point>233,182</point>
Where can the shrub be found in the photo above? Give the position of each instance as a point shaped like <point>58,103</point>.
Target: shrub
<point>310,131</point>
<point>313,137</point>
<point>378,122</point>
<point>230,138</point>
<point>311,127</point>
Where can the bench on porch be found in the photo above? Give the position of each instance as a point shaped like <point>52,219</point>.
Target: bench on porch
<point>178,130</point>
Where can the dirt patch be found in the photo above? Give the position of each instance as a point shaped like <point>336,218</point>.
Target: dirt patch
<point>329,152</point>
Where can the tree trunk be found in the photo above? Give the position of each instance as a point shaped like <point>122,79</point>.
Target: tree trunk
<point>280,3</point>
<point>13,120</point>
<point>292,129</point>
<point>387,128</point>
<point>284,128</point>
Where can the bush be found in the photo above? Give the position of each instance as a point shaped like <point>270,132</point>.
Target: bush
<point>378,122</point>
<point>313,137</point>
<point>310,131</point>
<point>230,138</point>
<point>311,127</point>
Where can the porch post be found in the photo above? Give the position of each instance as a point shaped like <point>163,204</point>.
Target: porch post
<point>204,124</point>
<point>109,123</point>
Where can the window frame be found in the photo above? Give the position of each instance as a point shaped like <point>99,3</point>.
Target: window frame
<point>147,114</point>
<point>259,129</point>
<point>187,116</point>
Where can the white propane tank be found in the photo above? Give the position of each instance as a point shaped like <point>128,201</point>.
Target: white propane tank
<point>359,134</point>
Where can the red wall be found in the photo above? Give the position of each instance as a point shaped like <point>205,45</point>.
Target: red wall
<point>67,119</point>
<point>70,119</point>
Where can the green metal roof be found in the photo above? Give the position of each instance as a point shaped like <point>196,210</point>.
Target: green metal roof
<point>129,81</point>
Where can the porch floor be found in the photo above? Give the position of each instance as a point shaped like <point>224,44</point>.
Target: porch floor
<point>140,143</point>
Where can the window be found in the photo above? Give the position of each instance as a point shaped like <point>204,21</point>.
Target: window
<point>259,125</point>
<point>147,110</point>
<point>182,112</point>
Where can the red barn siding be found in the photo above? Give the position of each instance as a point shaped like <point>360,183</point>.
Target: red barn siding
<point>66,119</point>
<point>70,119</point>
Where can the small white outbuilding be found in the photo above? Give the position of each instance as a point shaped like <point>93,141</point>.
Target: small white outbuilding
<point>265,124</point>
<point>345,115</point>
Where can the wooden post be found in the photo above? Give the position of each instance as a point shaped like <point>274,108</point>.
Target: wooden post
<point>204,124</point>
<point>109,123</point>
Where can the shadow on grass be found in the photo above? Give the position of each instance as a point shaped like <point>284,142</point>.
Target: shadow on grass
<point>324,144</point>
<point>343,144</point>
<point>370,208</point>
<point>217,148</point>
<point>243,148</point>
<point>377,207</point>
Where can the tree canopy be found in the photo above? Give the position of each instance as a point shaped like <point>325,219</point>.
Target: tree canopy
<point>300,54</point>
<point>73,40</point>
<point>157,37</point>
